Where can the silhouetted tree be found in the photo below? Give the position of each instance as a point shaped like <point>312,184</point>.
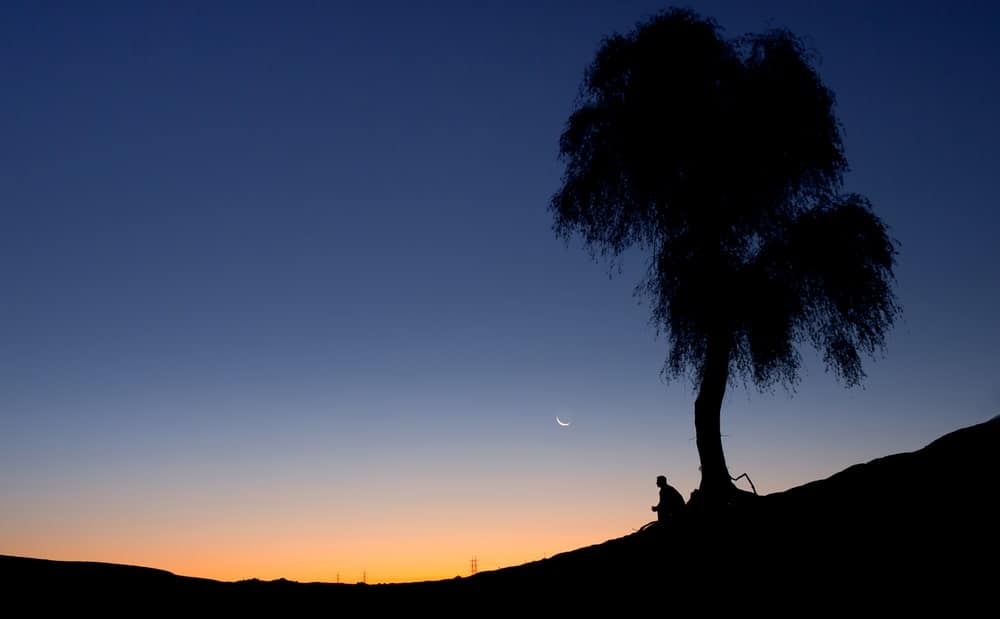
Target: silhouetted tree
<point>723,159</point>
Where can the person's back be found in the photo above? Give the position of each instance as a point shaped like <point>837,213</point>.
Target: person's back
<point>671,501</point>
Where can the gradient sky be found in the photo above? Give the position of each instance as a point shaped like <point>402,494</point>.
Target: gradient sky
<point>281,296</point>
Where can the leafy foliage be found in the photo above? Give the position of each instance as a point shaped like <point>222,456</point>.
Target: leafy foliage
<point>724,159</point>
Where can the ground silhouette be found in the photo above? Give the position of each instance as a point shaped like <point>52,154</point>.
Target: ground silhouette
<point>910,530</point>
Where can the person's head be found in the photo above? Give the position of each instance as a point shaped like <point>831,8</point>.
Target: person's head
<point>661,481</point>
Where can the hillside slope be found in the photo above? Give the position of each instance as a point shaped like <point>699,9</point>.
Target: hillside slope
<point>908,528</point>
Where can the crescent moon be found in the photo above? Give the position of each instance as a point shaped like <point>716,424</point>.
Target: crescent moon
<point>561,422</point>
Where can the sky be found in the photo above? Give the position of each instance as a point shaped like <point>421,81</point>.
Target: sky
<point>281,296</point>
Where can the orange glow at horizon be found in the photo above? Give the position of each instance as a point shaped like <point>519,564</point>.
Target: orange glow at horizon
<point>322,528</point>
<point>311,552</point>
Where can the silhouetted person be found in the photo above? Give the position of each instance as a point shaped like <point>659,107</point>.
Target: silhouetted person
<point>671,501</point>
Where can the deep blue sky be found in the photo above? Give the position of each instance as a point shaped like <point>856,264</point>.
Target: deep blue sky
<point>308,242</point>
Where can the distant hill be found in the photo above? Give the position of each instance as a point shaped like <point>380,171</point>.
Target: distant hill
<point>905,530</point>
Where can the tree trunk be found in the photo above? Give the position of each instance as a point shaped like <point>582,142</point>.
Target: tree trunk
<point>716,483</point>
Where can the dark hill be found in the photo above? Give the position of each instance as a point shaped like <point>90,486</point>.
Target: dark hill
<point>914,529</point>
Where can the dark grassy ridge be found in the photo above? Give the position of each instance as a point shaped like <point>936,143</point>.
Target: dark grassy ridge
<point>917,529</point>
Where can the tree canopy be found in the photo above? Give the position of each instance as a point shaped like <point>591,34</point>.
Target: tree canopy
<point>725,160</point>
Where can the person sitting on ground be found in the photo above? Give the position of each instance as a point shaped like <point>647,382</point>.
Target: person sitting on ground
<point>671,501</point>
